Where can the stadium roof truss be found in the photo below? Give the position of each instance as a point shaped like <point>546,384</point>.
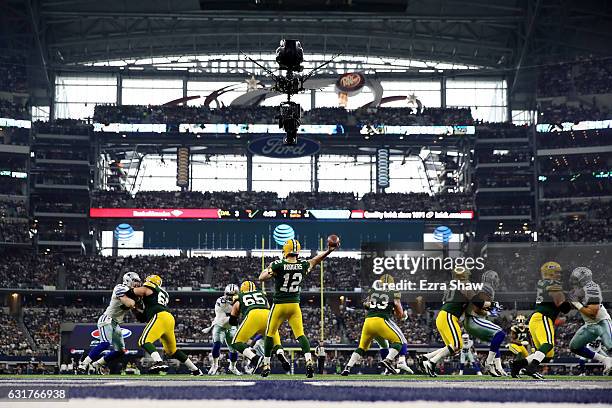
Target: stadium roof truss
<point>501,36</point>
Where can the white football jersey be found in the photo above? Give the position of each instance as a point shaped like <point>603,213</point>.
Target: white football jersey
<point>593,295</point>
<point>115,311</point>
<point>223,308</point>
<point>467,345</point>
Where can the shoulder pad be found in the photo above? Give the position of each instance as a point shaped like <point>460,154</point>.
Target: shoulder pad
<point>120,290</point>
<point>397,295</point>
<point>553,286</point>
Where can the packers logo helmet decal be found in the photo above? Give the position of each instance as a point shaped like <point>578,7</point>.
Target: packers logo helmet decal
<point>291,247</point>
<point>247,286</point>
<point>154,279</point>
<point>551,270</point>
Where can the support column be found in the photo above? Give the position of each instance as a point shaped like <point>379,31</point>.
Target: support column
<point>119,89</point>
<point>443,91</point>
<point>249,157</point>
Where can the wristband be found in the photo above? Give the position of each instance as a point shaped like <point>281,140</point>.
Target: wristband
<point>577,305</point>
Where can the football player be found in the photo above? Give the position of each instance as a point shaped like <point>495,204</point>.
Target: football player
<point>381,304</point>
<point>109,325</point>
<point>587,299</point>
<point>288,274</point>
<point>223,331</point>
<point>468,355</point>
<point>550,301</point>
<point>519,339</point>
<point>478,326</point>
<point>253,305</point>
<point>160,326</point>
<point>447,322</point>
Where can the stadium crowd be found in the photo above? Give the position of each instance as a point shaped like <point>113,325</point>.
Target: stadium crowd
<point>295,200</point>
<point>584,76</point>
<point>267,115</point>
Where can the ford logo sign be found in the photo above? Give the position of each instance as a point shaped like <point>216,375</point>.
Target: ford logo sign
<point>275,147</point>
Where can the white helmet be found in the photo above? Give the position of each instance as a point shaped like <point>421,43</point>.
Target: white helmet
<point>490,277</point>
<point>465,336</point>
<point>231,290</point>
<point>131,280</point>
<point>581,276</point>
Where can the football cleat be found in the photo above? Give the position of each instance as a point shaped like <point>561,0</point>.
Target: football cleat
<point>345,372</point>
<point>427,367</point>
<point>82,369</point>
<point>607,366</point>
<point>265,371</point>
<point>490,368</point>
<point>285,362</point>
<point>517,366</point>
<point>460,372</point>
<point>421,363</point>
<point>234,370</point>
<point>388,364</point>
<point>309,369</point>
<point>254,364</point>
<point>402,366</point>
<point>214,369</point>
<point>197,373</point>
<point>158,368</point>
<point>532,370</point>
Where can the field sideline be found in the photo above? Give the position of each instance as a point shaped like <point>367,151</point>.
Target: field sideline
<point>298,377</point>
<point>331,390</point>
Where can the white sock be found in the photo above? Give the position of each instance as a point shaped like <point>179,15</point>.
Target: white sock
<point>232,365</point>
<point>491,357</point>
<point>599,357</point>
<point>308,357</point>
<point>190,365</point>
<point>538,355</point>
<point>156,357</point>
<point>249,353</point>
<point>216,361</point>
<point>86,361</point>
<point>498,364</point>
<point>267,360</point>
<point>280,351</point>
<point>441,355</point>
<point>435,353</point>
<point>401,359</point>
<point>355,358</point>
<point>100,361</point>
<point>392,354</point>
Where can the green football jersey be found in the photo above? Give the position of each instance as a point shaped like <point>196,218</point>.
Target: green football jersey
<point>156,302</point>
<point>455,302</point>
<point>288,277</point>
<point>544,301</point>
<point>380,303</point>
<point>252,300</point>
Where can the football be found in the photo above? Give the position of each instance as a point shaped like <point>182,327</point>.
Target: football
<point>333,241</point>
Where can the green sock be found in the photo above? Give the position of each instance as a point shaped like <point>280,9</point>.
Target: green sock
<point>360,351</point>
<point>397,346</point>
<point>149,348</point>
<point>240,347</point>
<point>180,356</point>
<point>304,343</point>
<point>268,345</point>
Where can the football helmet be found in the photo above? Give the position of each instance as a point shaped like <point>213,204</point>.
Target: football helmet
<point>154,279</point>
<point>461,273</point>
<point>520,321</point>
<point>581,276</point>
<point>131,279</point>
<point>465,337</point>
<point>490,277</point>
<point>386,279</point>
<point>231,290</point>
<point>291,248</point>
<point>551,270</point>
<point>247,286</point>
